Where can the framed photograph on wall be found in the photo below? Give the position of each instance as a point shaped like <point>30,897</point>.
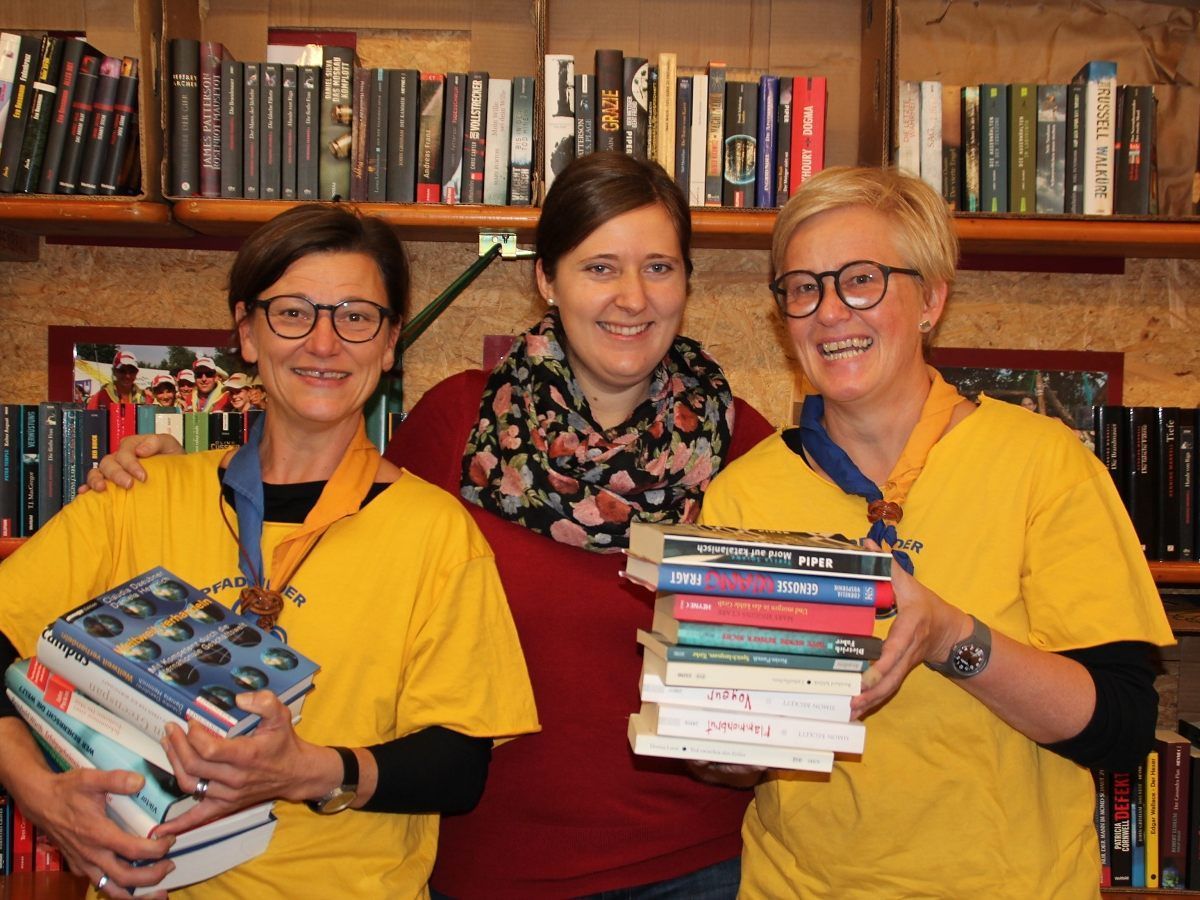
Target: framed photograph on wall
<point>1061,383</point>
<point>81,357</point>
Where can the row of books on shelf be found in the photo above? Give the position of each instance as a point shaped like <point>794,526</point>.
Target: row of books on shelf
<point>47,449</point>
<point>726,141</point>
<point>758,642</point>
<point>1150,452</point>
<point>1086,147</point>
<point>23,848</point>
<point>110,675</point>
<point>310,124</point>
<point>68,117</point>
<point>1148,819</point>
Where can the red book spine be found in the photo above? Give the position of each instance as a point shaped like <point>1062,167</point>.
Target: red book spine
<point>122,421</point>
<point>831,618</point>
<point>22,842</point>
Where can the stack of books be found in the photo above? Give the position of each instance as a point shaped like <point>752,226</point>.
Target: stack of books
<point>109,676</point>
<point>759,641</point>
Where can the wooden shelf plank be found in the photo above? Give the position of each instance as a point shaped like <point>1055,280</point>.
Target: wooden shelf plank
<point>105,217</point>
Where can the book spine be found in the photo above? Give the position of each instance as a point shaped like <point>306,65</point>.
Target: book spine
<point>289,132</point>
<point>361,103</point>
<point>211,54</point>
<point>783,142</point>
<point>10,52</point>
<point>741,152</point>
<point>520,176</point>
<point>1186,470</point>
<point>743,554</point>
<point>1137,827</point>
<point>765,164</point>
<point>698,165</point>
<point>100,127</point>
<point>824,707</point>
<point>952,145</point>
<point>270,146</point>
<point>453,132</point>
<point>734,637</point>
<point>1193,842</point>
<point>635,106</point>
<point>11,422</point>
<point>403,87</point>
<point>1073,169</point>
<point>808,129</point>
<point>145,422</point>
<point>125,419</point>
<point>251,131</point>
<point>993,147</point>
<point>1152,834</point>
<point>908,127</point>
<point>645,742</point>
<point>92,444</point>
<point>609,81</point>
<point>499,140</point>
<point>1051,190</point>
<point>429,149</point>
<point>1136,139</point>
<point>124,127</point>
<point>25,73</point>
<point>69,472</point>
<point>652,107</point>
<point>377,130</point>
<point>786,614</point>
<point>1022,126</point>
<point>474,137</point>
<point>931,134</point>
<point>185,117</point>
<point>337,110</point>
<point>49,461</point>
<point>742,657</point>
<point>308,125</point>
<point>1111,436</point>
<point>667,115</point>
<point>712,581</point>
<point>683,133</point>
<point>1121,816</point>
<point>715,140</point>
<point>585,114</point>
<point>230,160</point>
<point>1167,476</point>
<point>972,153</point>
<point>559,116</point>
<point>21,845</point>
<point>749,728</point>
<point>30,466</point>
<point>1141,482</point>
<point>79,116</point>
<point>1100,82</point>
<point>1103,821</point>
<point>56,138</point>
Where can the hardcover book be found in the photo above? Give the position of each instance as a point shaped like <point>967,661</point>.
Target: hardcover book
<point>308,132</point>
<point>212,54</point>
<point>808,128</point>
<point>251,130</point>
<point>95,150</point>
<point>183,650</point>
<point>1022,162</point>
<point>11,423</point>
<point>429,139</point>
<point>931,134</point>
<point>783,142</point>
<point>185,118</point>
<point>666,114</point>
<point>1135,150</point>
<point>635,106</point>
<point>50,464</point>
<point>43,93</point>
<point>453,125</point>
<point>1167,453</point>
<point>24,74</point>
<point>123,134</point>
<point>908,128</point>
<point>10,52</point>
<point>1051,147</point>
<point>645,741</point>
<point>1141,474</point>
<point>1173,798</point>
<point>993,148</point>
<point>558,124</point>
<point>289,131</point>
<point>756,728</point>
<point>403,105</point>
<point>361,103</point>
<point>765,163</point>
<point>972,154</point>
<point>333,166</point>
<point>715,138</point>
<point>952,145</point>
<point>270,139</point>
<point>825,707</point>
<point>520,180</point>
<point>698,164</point>
<point>609,81</point>
<point>232,78</point>
<point>1099,79</point>
<point>741,144</point>
<point>30,466</point>
<point>1074,167</point>
<point>78,116</point>
<point>499,142</point>
<point>585,114</point>
<point>377,135</point>
<point>474,147</point>
<point>683,132</point>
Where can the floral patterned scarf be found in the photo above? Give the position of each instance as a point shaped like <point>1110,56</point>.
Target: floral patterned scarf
<point>538,458</point>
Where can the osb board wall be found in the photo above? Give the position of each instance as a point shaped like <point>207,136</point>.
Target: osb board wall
<point>1150,313</point>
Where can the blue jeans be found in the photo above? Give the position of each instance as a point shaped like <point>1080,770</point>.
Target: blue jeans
<point>716,882</point>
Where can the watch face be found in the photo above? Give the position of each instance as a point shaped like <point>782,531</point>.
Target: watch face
<point>337,802</point>
<point>969,659</point>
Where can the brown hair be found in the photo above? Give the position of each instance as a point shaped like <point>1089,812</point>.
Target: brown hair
<point>318,228</point>
<point>595,189</point>
<point>924,229</point>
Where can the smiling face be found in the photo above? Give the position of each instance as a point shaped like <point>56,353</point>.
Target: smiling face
<point>320,379</point>
<point>206,380</point>
<point>621,293</point>
<point>124,378</point>
<point>861,356</point>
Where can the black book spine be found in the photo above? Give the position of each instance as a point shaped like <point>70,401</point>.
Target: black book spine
<point>1111,437</point>
<point>377,136</point>
<point>251,107</point>
<point>99,127</point>
<point>232,77</point>
<point>49,446</point>
<point>429,147</point>
<point>288,134</point>
<point>585,114</point>
<point>783,143</point>
<point>741,126</point>
<point>403,85</point>
<point>609,82</point>
<point>56,139</point>
<point>29,470</point>
<point>635,117</point>
<point>1135,142</point>
<point>715,151</point>
<point>1167,454</point>
<point>308,129</point>
<point>452,136</point>
<point>10,469</point>
<point>18,112</point>
<point>185,118</point>
<point>124,127</point>
<point>361,94</point>
<point>1142,475</point>
<point>1186,470</point>
<point>683,132</point>
<point>474,137</point>
<point>270,128</point>
<point>80,115</point>
<point>211,147</point>
<point>1076,131</point>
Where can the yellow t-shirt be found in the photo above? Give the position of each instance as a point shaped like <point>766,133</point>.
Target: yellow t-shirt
<point>1011,520</point>
<point>400,605</point>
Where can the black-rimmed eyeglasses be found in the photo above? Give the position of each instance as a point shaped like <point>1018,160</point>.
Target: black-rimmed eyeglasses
<point>293,317</point>
<point>860,284</point>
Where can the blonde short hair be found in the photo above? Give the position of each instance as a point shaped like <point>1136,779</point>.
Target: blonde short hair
<point>925,231</point>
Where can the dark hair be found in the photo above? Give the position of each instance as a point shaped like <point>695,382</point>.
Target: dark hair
<point>318,228</point>
<point>598,187</point>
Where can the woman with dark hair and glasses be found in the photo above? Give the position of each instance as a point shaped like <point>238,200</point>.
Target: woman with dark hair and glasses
<point>378,576</point>
<point>1019,650</point>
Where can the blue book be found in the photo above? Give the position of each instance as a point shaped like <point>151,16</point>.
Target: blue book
<point>713,581</point>
<point>182,649</point>
<point>764,181</point>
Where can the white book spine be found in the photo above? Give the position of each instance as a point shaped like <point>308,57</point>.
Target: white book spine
<point>699,137</point>
<point>170,423</point>
<point>559,115</point>
<point>751,728</point>
<point>645,742</point>
<point>1099,146</point>
<point>499,139</point>
<point>908,128</point>
<point>825,707</point>
<point>931,134</point>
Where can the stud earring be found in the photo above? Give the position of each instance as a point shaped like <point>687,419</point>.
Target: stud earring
<point>549,301</point>
<point>925,327</point>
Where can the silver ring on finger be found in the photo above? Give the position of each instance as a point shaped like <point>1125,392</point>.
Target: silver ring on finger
<point>101,882</point>
<point>201,790</point>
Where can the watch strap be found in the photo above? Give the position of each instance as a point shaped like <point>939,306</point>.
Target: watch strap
<point>979,642</point>
<point>349,784</point>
